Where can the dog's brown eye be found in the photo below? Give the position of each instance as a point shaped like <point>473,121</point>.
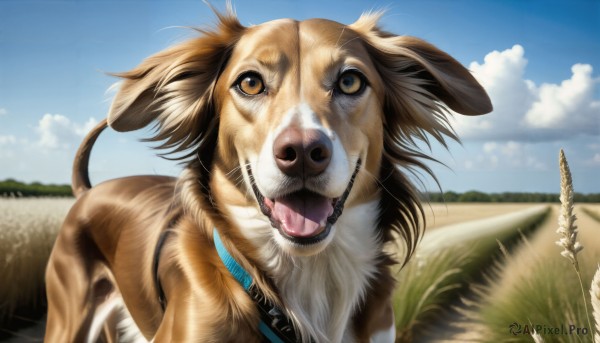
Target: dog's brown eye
<point>351,82</point>
<point>251,84</point>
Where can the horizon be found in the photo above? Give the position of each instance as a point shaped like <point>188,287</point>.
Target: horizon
<point>425,193</point>
<point>538,60</point>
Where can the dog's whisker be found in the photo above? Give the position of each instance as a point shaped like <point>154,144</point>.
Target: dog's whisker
<point>383,187</point>
<point>340,36</point>
<point>241,167</point>
<point>349,41</point>
<point>232,171</point>
<point>202,164</point>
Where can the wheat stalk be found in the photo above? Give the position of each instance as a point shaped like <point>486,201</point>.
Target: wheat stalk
<point>566,219</point>
<point>566,224</point>
<point>595,294</point>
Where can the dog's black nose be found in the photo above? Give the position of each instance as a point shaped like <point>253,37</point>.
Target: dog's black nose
<point>302,153</point>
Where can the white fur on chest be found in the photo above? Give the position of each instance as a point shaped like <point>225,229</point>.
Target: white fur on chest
<point>320,292</point>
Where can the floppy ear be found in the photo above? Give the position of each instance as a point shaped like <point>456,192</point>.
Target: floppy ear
<point>442,76</point>
<point>414,64</point>
<point>174,88</point>
<point>417,80</point>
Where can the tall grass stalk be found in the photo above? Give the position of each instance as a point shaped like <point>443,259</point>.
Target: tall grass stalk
<point>566,224</point>
<point>595,295</point>
<point>424,286</point>
<point>537,338</point>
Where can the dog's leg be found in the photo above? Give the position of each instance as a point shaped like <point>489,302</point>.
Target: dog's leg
<point>387,335</point>
<point>74,285</point>
<point>104,319</point>
<point>375,323</point>
<point>112,323</point>
<point>127,330</point>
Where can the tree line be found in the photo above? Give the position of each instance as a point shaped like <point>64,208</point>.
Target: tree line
<point>475,196</point>
<point>13,188</point>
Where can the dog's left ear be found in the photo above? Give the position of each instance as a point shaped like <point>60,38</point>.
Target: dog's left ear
<point>417,68</point>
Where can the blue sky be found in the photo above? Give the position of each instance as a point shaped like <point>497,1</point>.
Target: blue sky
<point>539,60</point>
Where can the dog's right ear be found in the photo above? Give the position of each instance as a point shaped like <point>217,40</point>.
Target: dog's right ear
<point>175,86</point>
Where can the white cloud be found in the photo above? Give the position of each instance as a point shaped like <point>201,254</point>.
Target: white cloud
<point>3,112</point>
<point>569,106</point>
<point>7,139</point>
<point>510,148</point>
<point>524,111</point>
<point>45,153</point>
<point>59,132</point>
<point>7,144</point>
<point>490,147</point>
<point>509,155</point>
<point>593,155</point>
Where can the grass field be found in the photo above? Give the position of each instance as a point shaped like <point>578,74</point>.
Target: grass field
<point>459,287</point>
<point>530,284</point>
<point>28,228</point>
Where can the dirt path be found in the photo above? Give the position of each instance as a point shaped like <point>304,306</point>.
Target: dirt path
<point>439,215</point>
<point>471,230</point>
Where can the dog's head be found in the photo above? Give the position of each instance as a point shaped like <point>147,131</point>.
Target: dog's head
<point>298,120</point>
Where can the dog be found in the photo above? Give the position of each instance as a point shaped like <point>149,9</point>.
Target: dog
<point>297,137</point>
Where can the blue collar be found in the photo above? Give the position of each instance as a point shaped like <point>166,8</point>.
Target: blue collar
<point>238,272</point>
<point>268,312</point>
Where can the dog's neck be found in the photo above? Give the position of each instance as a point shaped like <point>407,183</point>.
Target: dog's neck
<point>320,292</point>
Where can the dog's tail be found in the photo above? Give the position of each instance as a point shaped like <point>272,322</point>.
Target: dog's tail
<point>80,180</point>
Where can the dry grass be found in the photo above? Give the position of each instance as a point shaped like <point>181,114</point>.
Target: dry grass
<point>446,261</point>
<point>28,228</point>
<point>595,297</point>
<point>425,285</point>
<point>592,212</point>
<point>535,285</point>
<point>567,227</point>
<point>566,219</point>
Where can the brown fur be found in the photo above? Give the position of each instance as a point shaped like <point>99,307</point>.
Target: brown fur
<point>106,245</point>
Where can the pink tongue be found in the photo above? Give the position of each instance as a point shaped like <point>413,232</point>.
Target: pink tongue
<point>302,215</point>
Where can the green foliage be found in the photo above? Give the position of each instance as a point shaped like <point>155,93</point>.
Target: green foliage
<point>547,295</point>
<point>11,187</point>
<point>435,278</point>
<point>424,285</point>
<point>475,196</point>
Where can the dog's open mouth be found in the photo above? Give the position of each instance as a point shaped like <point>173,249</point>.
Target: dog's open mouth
<point>303,217</point>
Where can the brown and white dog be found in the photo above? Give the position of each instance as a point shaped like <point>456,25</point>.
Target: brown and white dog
<point>296,137</point>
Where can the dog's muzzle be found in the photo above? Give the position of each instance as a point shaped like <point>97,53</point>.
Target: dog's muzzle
<point>303,217</point>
